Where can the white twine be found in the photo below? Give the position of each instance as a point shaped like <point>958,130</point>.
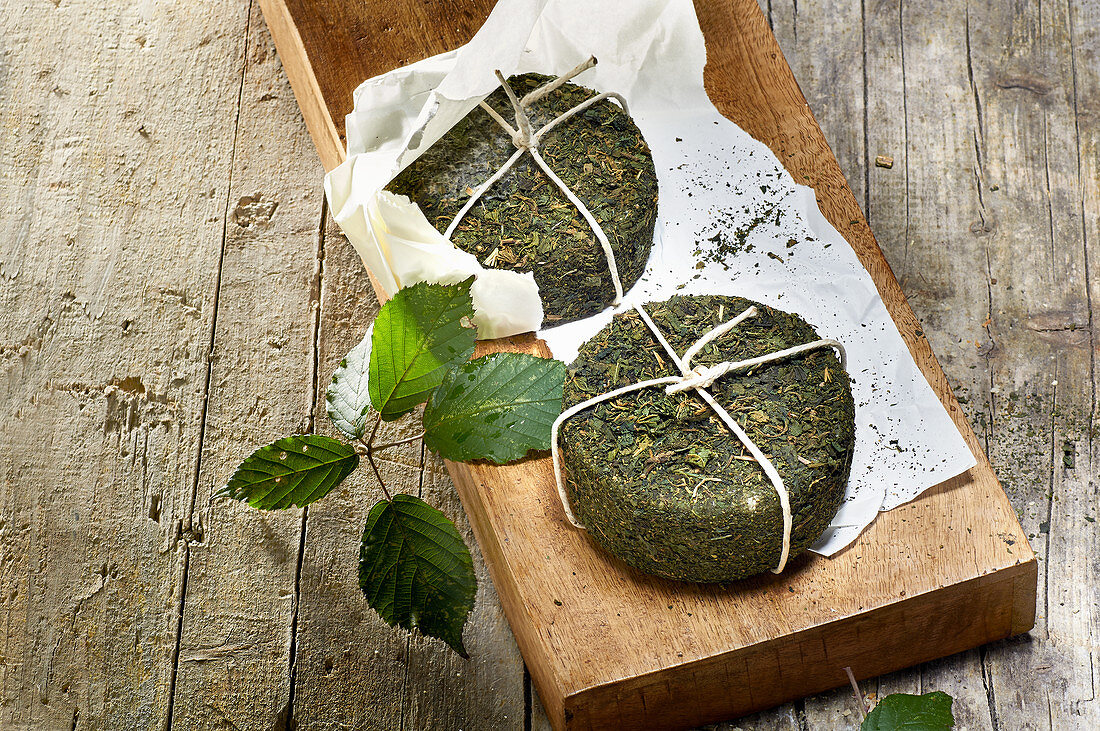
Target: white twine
<point>527,140</point>
<point>700,379</point>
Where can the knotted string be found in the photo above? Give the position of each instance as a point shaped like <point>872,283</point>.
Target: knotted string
<point>700,379</point>
<point>527,140</point>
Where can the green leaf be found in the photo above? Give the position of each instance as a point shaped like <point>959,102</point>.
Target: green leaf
<point>497,407</point>
<point>415,570</point>
<point>928,712</point>
<point>347,399</point>
<point>292,471</point>
<point>418,335</point>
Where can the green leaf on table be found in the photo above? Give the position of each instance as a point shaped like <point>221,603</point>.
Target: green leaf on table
<point>497,407</point>
<point>292,471</point>
<point>415,571</point>
<point>928,712</point>
<point>418,335</point>
<point>347,399</point>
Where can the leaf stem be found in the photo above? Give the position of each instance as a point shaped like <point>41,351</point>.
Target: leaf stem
<point>399,442</point>
<point>381,482</point>
<point>855,691</point>
<point>369,445</point>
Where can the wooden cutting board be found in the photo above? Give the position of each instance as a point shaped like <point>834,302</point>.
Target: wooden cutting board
<point>608,647</point>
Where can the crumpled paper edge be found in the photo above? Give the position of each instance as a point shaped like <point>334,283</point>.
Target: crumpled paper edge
<point>390,233</point>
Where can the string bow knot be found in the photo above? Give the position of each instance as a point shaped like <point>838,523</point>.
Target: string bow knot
<point>700,377</point>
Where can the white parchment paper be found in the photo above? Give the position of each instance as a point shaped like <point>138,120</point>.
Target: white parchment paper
<point>719,190</point>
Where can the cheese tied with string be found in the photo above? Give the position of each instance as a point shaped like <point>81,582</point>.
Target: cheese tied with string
<point>546,177</point>
<point>717,454</point>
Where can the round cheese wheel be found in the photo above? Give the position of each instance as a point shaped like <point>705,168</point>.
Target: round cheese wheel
<point>524,222</point>
<point>661,483</point>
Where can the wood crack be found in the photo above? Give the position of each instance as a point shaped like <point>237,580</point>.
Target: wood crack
<point>905,131</point>
<point>174,674</point>
<point>986,228</point>
<point>970,77</point>
<point>1051,466</point>
<point>315,304</point>
<point>1084,227</point>
<point>800,715</point>
<point>1049,193</point>
<point>987,683</point>
<point>528,701</point>
<point>866,114</point>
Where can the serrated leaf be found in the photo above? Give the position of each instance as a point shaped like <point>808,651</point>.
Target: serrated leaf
<point>418,335</point>
<point>928,712</point>
<point>292,471</point>
<point>497,407</point>
<point>415,571</point>
<point>347,399</point>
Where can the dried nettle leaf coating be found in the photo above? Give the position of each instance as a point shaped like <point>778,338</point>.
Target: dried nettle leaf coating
<point>662,484</point>
<point>524,222</point>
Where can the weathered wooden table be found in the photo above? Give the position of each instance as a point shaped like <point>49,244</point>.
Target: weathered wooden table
<point>172,293</point>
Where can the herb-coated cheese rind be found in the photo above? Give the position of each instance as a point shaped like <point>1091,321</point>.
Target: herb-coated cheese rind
<point>524,218</point>
<point>663,485</point>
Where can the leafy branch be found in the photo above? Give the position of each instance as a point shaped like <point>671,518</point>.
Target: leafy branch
<point>414,568</point>
<point>905,712</point>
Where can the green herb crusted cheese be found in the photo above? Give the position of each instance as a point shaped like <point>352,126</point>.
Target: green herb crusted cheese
<point>663,485</point>
<point>524,222</point>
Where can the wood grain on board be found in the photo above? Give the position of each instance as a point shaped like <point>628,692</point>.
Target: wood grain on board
<point>606,645</point>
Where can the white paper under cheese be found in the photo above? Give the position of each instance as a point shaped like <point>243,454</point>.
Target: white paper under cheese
<point>652,52</point>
